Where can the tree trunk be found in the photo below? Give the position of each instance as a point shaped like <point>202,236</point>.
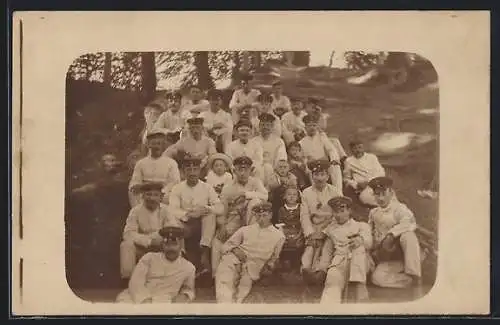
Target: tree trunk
<point>246,62</point>
<point>257,59</point>
<point>301,58</point>
<point>330,63</point>
<point>235,73</point>
<point>106,78</point>
<point>205,80</point>
<point>148,75</point>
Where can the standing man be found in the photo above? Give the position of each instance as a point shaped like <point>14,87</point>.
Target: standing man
<point>396,247</point>
<point>245,96</point>
<point>273,146</point>
<point>196,204</point>
<point>154,168</point>
<point>359,169</point>
<point>317,147</point>
<point>164,276</point>
<point>281,103</point>
<point>218,122</point>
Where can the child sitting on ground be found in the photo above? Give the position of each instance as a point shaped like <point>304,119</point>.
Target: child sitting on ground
<point>289,223</point>
<point>219,175</point>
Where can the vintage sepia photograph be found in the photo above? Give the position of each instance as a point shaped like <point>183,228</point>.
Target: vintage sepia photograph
<point>245,176</point>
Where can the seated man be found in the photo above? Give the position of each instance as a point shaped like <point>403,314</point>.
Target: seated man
<point>345,257</point>
<point>197,145</point>
<point>251,252</point>
<point>174,119</point>
<point>154,168</point>
<point>243,146</point>
<point>245,96</point>
<point>196,204</point>
<point>280,103</point>
<point>164,276</point>
<point>292,124</point>
<point>315,214</point>
<point>218,122</point>
<point>141,229</point>
<point>196,103</point>
<point>315,147</point>
<point>359,169</point>
<point>238,198</point>
<point>264,107</point>
<point>396,248</point>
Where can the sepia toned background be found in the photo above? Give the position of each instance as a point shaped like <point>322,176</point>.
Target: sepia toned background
<point>452,274</point>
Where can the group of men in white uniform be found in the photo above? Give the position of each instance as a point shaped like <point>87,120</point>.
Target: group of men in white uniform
<point>203,199</point>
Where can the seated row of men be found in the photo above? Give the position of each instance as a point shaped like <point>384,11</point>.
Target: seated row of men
<point>220,176</point>
<point>235,238</point>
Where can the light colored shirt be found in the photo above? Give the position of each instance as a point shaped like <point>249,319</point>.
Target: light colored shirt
<point>291,122</point>
<point>214,179</point>
<point>170,121</point>
<point>283,102</point>
<point>273,148</point>
<point>260,245</point>
<point>253,189</point>
<point>275,180</point>
<point>198,148</point>
<point>315,202</point>
<point>363,169</point>
<point>240,99</point>
<point>203,105</point>
<point>185,198</point>
<point>162,169</point>
<point>337,247</point>
<point>251,149</point>
<point>162,280</point>
<point>396,218</point>
<point>221,117</point>
<point>318,147</point>
<point>142,225</point>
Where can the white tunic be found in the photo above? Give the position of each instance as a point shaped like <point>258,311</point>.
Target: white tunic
<point>318,147</point>
<point>161,280</point>
<point>291,122</point>
<point>273,148</point>
<point>220,117</point>
<point>163,169</point>
<point>283,102</point>
<point>396,218</point>
<point>260,245</point>
<point>315,202</point>
<point>362,169</point>
<point>251,149</point>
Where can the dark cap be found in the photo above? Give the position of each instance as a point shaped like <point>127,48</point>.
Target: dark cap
<point>151,186</point>
<point>340,202</point>
<point>174,95</point>
<point>313,100</point>
<point>265,98</point>
<point>195,121</point>
<point>355,142</point>
<point>263,207</point>
<point>190,161</point>
<point>214,94</point>
<point>171,233</point>
<point>266,117</point>
<point>243,161</point>
<point>318,165</point>
<point>311,118</point>
<point>155,133</point>
<point>380,183</point>
<point>243,122</point>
